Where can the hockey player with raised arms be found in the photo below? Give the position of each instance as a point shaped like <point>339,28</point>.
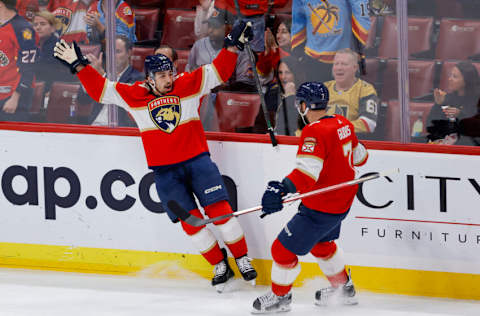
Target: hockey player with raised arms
<point>328,152</point>
<point>166,110</point>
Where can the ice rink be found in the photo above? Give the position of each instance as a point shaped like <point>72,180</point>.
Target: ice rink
<point>35,292</point>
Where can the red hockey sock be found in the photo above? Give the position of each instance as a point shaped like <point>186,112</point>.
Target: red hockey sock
<point>338,279</point>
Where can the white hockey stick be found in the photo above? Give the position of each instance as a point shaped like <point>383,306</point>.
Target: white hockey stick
<point>190,219</point>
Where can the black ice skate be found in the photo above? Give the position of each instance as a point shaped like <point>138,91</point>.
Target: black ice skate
<point>270,303</point>
<point>245,267</point>
<point>222,272</point>
<point>344,294</point>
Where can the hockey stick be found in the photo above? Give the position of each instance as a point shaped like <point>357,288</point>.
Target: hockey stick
<point>195,221</point>
<point>260,92</point>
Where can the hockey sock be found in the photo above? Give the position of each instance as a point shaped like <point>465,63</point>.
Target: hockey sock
<point>204,240</point>
<point>331,262</point>
<point>285,268</point>
<point>232,232</point>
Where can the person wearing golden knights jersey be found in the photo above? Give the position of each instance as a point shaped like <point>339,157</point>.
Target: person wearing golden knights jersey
<point>350,96</point>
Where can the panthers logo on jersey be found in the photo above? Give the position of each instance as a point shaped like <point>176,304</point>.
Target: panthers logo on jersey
<point>165,112</point>
<point>63,15</point>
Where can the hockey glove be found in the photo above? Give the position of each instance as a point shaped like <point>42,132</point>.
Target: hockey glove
<point>71,56</point>
<point>239,35</point>
<point>272,198</point>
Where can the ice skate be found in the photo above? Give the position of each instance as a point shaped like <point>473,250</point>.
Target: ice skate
<point>222,273</point>
<point>344,294</point>
<point>270,303</point>
<point>245,267</point>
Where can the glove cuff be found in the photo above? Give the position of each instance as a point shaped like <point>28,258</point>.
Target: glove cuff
<point>289,185</point>
<point>80,61</point>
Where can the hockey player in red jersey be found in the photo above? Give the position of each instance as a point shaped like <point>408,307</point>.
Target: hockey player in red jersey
<point>167,114</point>
<point>328,152</point>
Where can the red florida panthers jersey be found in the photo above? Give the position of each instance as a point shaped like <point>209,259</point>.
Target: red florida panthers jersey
<point>169,125</point>
<point>17,56</point>
<point>71,16</point>
<point>327,154</point>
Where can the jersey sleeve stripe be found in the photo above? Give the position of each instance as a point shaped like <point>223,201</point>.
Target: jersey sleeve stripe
<point>369,123</point>
<point>309,165</point>
<point>299,38</point>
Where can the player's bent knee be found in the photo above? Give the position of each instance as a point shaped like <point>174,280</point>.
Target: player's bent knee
<point>324,250</point>
<point>282,256</point>
<point>231,230</point>
<point>189,229</point>
<point>218,209</point>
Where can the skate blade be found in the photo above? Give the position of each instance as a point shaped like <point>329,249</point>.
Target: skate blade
<point>225,287</point>
<point>253,282</point>
<point>335,301</point>
<point>282,309</point>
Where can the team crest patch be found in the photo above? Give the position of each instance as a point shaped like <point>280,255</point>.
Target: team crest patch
<point>309,145</point>
<point>27,34</point>
<point>165,112</point>
<point>3,59</point>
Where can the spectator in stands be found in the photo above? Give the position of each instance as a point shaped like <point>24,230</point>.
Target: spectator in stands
<point>287,117</point>
<point>248,10</point>
<point>350,96</point>
<point>71,16</point>
<point>46,68</point>
<point>461,99</point>
<point>17,57</point>
<point>206,49</point>
<point>125,73</point>
<point>124,21</point>
<point>170,52</point>
<point>319,29</point>
<point>27,9</point>
<point>203,12</point>
<point>284,37</point>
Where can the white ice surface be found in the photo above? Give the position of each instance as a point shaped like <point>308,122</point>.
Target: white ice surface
<point>32,292</point>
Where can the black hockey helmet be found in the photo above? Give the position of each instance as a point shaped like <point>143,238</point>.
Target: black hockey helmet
<point>314,94</point>
<point>156,63</point>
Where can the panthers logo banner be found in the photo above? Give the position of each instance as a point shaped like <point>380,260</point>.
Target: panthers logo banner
<point>165,112</point>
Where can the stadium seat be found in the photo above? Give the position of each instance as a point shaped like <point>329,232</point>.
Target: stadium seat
<point>445,73</point>
<point>451,9</point>
<point>236,110</point>
<point>182,59</point>
<point>90,49</point>
<point>419,34</point>
<point>148,3</point>
<point>287,8</point>
<point>372,33</point>
<point>372,68</point>
<point>421,76</point>
<point>62,97</point>
<point>38,97</point>
<point>138,56</point>
<point>180,4</point>
<point>417,110</point>
<point>458,39</point>
<point>146,23</point>
<point>178,29</point>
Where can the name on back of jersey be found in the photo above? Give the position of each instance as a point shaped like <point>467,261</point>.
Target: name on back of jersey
<point>344,132</point>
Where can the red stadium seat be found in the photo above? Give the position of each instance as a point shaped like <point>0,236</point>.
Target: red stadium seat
<point>451,9</point>
<point>445,73</point>
<point>38,97</point>
<point>421,76</point>
<point>419,33</point>
<point>148,3</point>
<point>146,23</point>
<point>287,8</point>
<point>182,59</point>
<point>181,4</point>
<point>372,33</point>
<point>62,97</point>
<point>458,39</point>
<point>178,29</point>
<point>372,68</point>
<point>138,56</point>
<point>236,110</point>
<point>417,110</point>
<point>90,49</point>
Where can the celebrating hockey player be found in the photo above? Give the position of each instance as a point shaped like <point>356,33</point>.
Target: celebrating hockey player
<point>327,154</point>
<point>166,112</point>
